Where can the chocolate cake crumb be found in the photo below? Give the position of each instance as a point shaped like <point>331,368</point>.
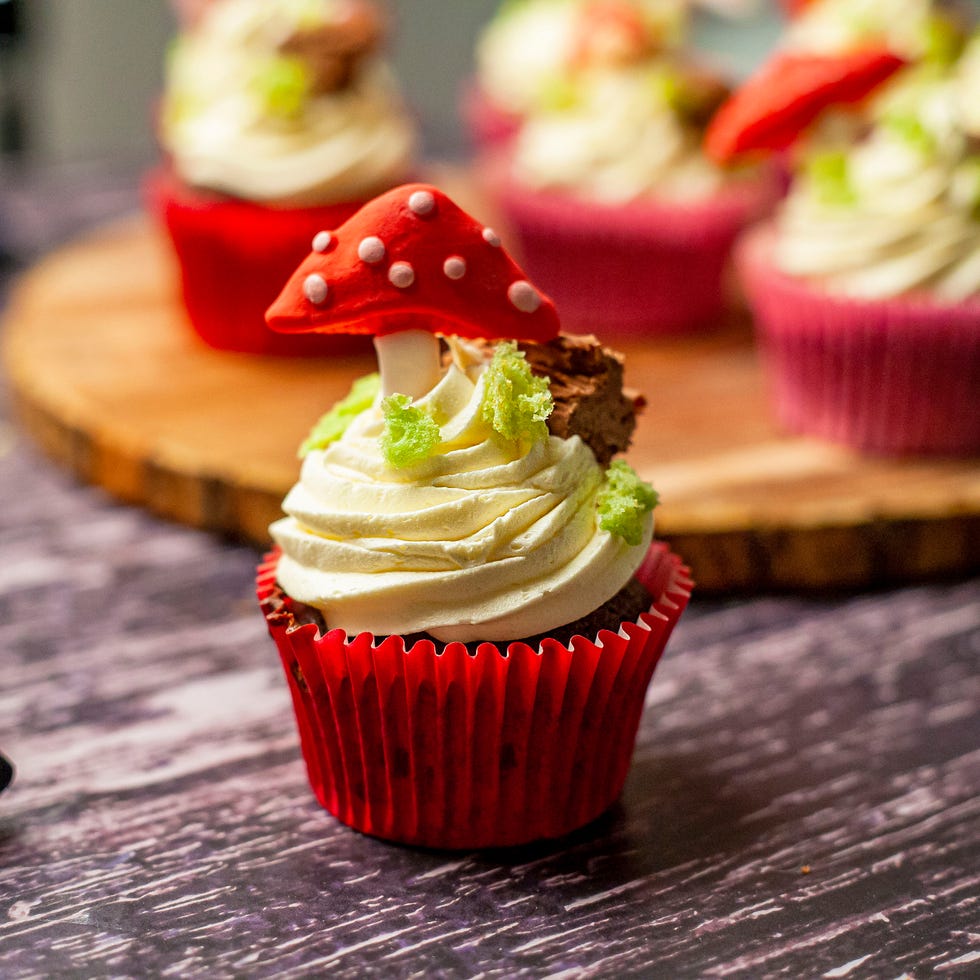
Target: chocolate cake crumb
<point>586,382</point>
<point>625,606</point>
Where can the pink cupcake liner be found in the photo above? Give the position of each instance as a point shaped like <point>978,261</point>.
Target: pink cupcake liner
<point>487,124</point>
<point>642,269</point>
<point>893,377</point>
<point>234,258</point>
<point>436,747</point>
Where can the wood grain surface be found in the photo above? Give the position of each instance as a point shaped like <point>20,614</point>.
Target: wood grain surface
<point>106,375</point>
<point>803,801</point>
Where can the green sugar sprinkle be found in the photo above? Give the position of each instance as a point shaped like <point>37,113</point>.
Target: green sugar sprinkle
<point>516,403</point>
<point>410,435</point>
<point>331,426</point>
<point>624,501</point>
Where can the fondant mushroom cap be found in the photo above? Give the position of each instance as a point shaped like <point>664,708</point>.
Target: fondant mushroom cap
<point>412,259</point>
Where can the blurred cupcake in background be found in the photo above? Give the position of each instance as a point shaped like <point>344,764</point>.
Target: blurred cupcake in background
<point>280,119</point>
<point>613,204</point>
<point>866,285</point>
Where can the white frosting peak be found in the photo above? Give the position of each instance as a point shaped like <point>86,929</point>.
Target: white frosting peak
<point>485,540</point>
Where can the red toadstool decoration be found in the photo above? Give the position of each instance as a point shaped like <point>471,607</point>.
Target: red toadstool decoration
<point>409,265</point>
<point>788,93</point>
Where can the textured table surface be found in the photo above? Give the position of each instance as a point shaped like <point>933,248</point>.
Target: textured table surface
<point>804,799</point>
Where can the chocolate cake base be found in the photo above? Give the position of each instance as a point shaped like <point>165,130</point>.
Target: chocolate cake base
<point>623,607</point>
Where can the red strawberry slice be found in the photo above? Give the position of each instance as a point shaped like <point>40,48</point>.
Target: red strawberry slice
<point>795,7</point>
<point>788,93</point>
<point>411,259</point>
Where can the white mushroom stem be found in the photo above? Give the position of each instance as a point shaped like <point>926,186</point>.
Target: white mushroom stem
<point>409,362</point>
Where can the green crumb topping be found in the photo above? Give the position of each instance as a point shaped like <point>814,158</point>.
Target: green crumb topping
<point>624,501</point>
<point>666,87</point>
<point>330,427</point>
<point>829,175</point>
<point>909,128</point>
<point>410,435</point>
<point>966,185</point>
<point>516,403</point>
<point>281,85</point>
<point>558,94</point>
<point>944,41</point>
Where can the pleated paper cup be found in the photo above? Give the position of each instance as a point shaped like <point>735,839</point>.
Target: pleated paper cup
<point>892,377</point>
<point>234,257</point>
<point>643,269</point>
<point>438,747</point>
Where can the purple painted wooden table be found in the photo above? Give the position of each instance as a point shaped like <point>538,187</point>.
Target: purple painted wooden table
<point>804,799</point>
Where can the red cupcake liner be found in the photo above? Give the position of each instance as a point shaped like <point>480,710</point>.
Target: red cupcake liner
<point>234,258</point>
<point>433,746</point>
<point>646,268</point>
<point>487,124</point>
<point>892,377</point>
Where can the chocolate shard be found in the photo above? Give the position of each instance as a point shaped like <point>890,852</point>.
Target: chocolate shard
<point>586,381</point>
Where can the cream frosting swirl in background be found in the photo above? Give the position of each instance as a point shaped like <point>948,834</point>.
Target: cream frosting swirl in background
<point>223,134</point>
<point>599,100</point>
<point>485,540</point>
<point>620,141</point>
<point>902,211</point>
<point>528,48</point>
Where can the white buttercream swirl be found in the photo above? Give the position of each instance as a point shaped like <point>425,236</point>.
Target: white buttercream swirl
<point>520,53</point>
<point>340,146</point>
<point>529,47</point>
<point>486,540</point>
<point>909,220</point>
<point>619,142</point>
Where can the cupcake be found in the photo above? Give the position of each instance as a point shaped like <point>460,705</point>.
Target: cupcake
<point>279,118</point>
<point>464,591</point>
<point>605,181</point>
<point>866,285</point>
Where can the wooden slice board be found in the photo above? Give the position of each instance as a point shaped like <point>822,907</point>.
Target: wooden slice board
<point>106,375</point>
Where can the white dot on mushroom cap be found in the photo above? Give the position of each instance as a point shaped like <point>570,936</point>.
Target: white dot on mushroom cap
<point>321,241</point>
<point>454,267</point>
<point>401,274</point>
<point>491,237</point>
<point>315,288</point>
<point>371,249</point>
<point>421,202</point>
<point>524,296</point>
